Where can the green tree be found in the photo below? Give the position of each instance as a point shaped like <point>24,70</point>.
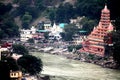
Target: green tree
<point>116,47</point>
<point>90,8</point>
<point>5,8</point>
<point>10,28</point>
<point>39,4</point>
<point>34,7</point>
<point>46,35</point>
<point>30,64</point>
<point>116,42</point>
<point>12,64</point>
<point>30,40</point>
<point>64,12</point>
<point>15,1</point>
<point>26,19</point>
<point>52,14</point>
<point>4,71</point>
<point>33,11</point>
<point>113,6</point>
<point>88,24</point>
<point>24,3</point>
<point>20,49</point>
<point>69,31</point>
<point>1,34</point>
<point>76,47</point>
<point>7,26</point>
<point>115,15</point>
<point>5,66</point>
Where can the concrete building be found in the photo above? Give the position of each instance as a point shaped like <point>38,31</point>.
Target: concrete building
<point>26,34</point>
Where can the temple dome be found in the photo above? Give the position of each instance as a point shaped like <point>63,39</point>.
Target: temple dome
<point>110,27</point>
<point>106,10</point>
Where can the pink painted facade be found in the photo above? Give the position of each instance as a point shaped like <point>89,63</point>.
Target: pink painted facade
<point>94,44</point>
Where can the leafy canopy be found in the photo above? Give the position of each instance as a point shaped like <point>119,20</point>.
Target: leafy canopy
<point>69,31</point>
<point>20,49</point>
<point>30,64</point>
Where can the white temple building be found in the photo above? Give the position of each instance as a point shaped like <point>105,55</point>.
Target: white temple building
<point>55,32</point>
<point>56,29</point>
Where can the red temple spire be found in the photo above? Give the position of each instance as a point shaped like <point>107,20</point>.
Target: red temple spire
<point>96,38</point>
<point>106,10</point>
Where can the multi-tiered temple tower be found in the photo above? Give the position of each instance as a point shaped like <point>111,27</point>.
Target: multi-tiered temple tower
<point>95,42</point>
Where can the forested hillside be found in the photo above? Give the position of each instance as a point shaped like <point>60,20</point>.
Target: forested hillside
<point>59,11</point>
<point>7,26</point>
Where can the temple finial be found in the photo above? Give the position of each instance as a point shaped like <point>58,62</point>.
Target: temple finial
<point>105,9</point>
<point>105,6</point>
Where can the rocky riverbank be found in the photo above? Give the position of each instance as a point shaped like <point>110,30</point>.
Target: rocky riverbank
<point>106,62</point>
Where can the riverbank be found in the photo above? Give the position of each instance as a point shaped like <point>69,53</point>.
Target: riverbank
<point>106,62</point>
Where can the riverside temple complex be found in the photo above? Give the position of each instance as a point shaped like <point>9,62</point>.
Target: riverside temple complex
<point>95,42</point>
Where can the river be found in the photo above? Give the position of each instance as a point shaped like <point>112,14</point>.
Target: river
<point>61,68</point>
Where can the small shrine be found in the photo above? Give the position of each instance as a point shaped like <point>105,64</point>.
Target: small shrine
<point>95,42</point>
<point>16,75</point>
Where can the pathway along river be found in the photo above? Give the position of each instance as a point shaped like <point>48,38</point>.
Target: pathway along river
<point>61,68</point>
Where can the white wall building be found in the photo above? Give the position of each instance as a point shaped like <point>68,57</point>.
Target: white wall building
<point>47,25</point>
<point>26,34</point>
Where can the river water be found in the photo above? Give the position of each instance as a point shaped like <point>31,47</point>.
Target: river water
<point>61,68</point>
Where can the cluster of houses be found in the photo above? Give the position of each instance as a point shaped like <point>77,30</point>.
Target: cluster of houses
<point>53,30</point>
<point>38,33</point>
